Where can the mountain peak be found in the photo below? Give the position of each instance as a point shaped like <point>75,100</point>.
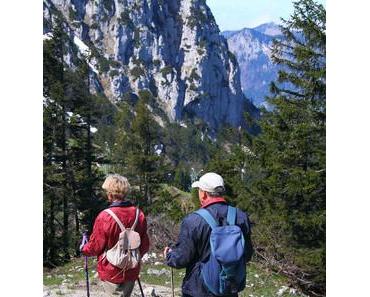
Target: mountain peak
<point>271,29</point>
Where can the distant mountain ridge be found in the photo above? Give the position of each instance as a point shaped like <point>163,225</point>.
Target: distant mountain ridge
<point>252,49</point>
<point>270,29</point>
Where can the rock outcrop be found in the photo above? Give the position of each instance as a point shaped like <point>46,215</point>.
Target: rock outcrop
<point>171,47</point>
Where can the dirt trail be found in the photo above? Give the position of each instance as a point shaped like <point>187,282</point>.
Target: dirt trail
<point>97,290</point>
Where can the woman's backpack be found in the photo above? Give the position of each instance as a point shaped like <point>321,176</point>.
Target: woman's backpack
<point>125,253</point>
<point>224,272</point>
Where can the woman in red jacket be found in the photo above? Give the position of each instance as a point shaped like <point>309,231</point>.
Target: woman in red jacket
<point>106,232</point>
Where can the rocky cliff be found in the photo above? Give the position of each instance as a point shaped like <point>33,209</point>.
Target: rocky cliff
<point>171,47</point>
<point>252,49</point>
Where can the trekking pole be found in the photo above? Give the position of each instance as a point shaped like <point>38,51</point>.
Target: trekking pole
<point>141,289</point>
<point>172,284</point>
<point>84,241</point>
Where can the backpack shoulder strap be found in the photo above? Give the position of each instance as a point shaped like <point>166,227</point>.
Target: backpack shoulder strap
<point>231,215</point>
<point>205,214</point>
<point>113,215</point>
<point>137,212</point>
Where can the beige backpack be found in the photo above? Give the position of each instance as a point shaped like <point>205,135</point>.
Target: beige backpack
<point>125,253</point>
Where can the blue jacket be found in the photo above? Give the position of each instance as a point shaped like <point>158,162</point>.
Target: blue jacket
<point>193,246</point>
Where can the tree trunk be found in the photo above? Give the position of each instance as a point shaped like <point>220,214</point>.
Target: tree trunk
<point>52,252</point>
<point>77,230</point>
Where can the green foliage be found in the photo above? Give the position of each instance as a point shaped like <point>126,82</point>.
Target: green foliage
<point>195,198</point>
<point>181,178</point>
<point>134,152</point>
<point>114,64</point>
<point>167,204</point>
<point>71,13</point>
<point>185,145</point>
<point>279,176</point>
<point>94,26</point>
<point>194,75</point>
<point>113,73</point>
<point>70,159</point>
<point>166,70</point>
<point>202,43</point>
<point>156,63</point>
<point>108,4</point>
<point>137,38</point>
<point>200,51</point>
<point>103,64</point>
<point>193,87</point>
<point>197,16</point>
<point>232,57</point>
<point>136,72</point>
<point>137,61</point>
<point>125,19</point>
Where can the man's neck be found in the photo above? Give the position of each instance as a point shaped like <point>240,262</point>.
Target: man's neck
<point>211,200</point>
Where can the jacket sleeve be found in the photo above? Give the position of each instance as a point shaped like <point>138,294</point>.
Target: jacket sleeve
<point>97,241</point>
<point>144,246</point>
<point>183,253</point>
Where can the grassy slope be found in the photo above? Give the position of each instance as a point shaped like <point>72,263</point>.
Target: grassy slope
<point>260,282</point>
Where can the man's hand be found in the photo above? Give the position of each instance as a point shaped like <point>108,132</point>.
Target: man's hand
<point>167,250</point>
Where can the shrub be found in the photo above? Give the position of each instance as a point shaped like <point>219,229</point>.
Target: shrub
<point>114,64</point>
<point>137,38</point>
<point>125,19</point>
<point>103,64</point>
<point>94,26</point>
<point>168,205</point>
<point>196,16</point>
<point>72,13</point>
<point>113,73</point>
<point>194,75</point>
<point>193,87</point>
<point>137,72</point>
<point>166,70</point>
<point>200,51</point>
<point>156,62</point>
<point>108,4</point>
<point>232,57</point>
<point>202,43</point>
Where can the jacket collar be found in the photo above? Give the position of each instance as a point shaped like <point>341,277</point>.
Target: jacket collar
<point>120,204</point>
<point>212,200</point>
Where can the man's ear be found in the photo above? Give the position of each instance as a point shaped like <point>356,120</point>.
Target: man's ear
<point>203,195</point>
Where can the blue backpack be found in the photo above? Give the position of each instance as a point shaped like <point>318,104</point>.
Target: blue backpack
<point>224,273</point>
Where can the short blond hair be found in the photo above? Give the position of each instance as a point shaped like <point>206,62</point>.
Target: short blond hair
<point>116,184</point>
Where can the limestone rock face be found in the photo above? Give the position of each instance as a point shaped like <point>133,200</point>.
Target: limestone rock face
<point>252,49</point>
<point>171,47</point>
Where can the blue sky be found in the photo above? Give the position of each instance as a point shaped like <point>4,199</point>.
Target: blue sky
<point>238,14</point>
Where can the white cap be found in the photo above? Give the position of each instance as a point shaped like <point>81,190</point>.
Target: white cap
<point>209,182</point>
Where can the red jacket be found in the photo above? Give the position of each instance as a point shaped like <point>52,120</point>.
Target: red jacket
<point>105,236</point>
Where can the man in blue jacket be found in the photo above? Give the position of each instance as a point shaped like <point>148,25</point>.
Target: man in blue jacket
<point>193,245</point>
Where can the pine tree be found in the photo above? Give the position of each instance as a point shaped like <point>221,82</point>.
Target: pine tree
<point>138,152</point>
<point>54,143</point>
<point>70,158</point>
<point>121,143</point>
<point>289,195</point>
<point>146,165</point>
